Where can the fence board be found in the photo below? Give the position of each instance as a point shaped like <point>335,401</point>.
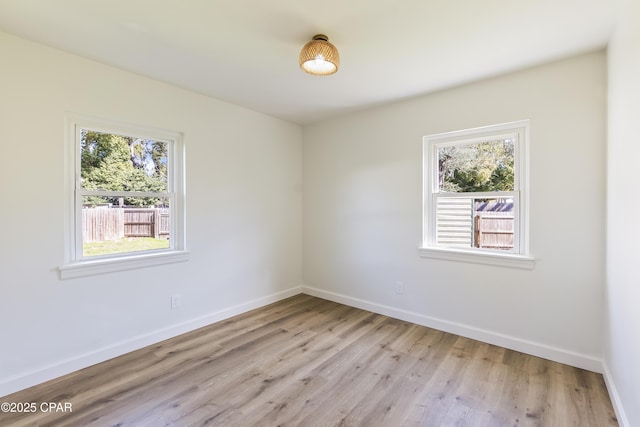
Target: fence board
<point>139,222</point>
<point>163,223</point>
<point>494,231</point>
<point>100,224</point>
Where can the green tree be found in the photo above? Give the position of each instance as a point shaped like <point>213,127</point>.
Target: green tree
<point>120,163</point>
<point>478,167</point>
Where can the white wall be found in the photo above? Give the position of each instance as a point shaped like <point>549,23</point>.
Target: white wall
<point>243,215</point>
<point>622,335</point>
<point>362,213</point>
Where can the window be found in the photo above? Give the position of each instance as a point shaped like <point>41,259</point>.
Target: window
<point>475,195</point>
<point>126,197</point>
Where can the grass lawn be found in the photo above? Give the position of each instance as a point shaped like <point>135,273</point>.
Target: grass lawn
<point>128,244</point>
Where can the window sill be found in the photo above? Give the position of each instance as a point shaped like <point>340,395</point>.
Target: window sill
<point>477,257</point>
<point>102,266</point>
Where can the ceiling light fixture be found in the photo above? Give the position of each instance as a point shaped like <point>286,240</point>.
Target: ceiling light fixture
<point>319,57</point>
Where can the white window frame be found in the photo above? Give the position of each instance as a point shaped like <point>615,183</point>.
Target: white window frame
<point>75,264</point>
<point>520,256</point>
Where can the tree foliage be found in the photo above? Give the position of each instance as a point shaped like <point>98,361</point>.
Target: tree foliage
<point>478,167</point>
<point>112,162</point>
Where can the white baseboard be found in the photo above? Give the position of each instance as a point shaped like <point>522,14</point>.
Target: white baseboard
<point>623,421</point>
<point>63,367</point>
<point>536,349</point>
<point>55,370</point>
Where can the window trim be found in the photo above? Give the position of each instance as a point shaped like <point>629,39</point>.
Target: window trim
<point>520,257</point>
<point>75,265</point>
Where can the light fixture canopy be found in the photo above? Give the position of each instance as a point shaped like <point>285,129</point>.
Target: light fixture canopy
<point>319,57</point>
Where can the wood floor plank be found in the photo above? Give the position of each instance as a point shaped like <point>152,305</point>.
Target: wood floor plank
<point>309,362</point>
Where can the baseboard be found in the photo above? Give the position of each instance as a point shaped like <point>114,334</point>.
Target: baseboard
<point>536,349</point>
<point>58,369</point>
<point>55,370</point>
<point>623,421</point>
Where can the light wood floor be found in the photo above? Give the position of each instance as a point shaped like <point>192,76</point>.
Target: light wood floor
<point>305,361</point>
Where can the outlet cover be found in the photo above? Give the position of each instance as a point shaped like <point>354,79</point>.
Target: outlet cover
<point>175,301</point>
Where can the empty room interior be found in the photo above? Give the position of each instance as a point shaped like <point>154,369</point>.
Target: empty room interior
<point>341,213</point>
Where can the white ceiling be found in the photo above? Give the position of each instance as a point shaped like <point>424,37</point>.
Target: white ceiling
<point>246,51</point>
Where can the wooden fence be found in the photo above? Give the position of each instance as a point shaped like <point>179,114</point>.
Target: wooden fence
<point>100,224</point>
<point>493,232</point>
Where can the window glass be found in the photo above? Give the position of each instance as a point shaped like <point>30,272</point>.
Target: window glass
<point>117,163</point>
<point>109,228</point>
<point>483,166</point>
<point>469,222</point>
<point>124,193</point>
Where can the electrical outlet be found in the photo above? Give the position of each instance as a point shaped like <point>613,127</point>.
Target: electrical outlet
<point>399,288</point>
<point>175,301</point>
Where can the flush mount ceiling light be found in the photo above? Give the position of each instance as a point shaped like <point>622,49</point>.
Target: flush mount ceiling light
<point>319,57</point>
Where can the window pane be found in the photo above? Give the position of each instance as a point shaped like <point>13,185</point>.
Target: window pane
<point>110,226</point>
<point>466,222</point>
<point>122,163</point>
<point>478,167</point>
